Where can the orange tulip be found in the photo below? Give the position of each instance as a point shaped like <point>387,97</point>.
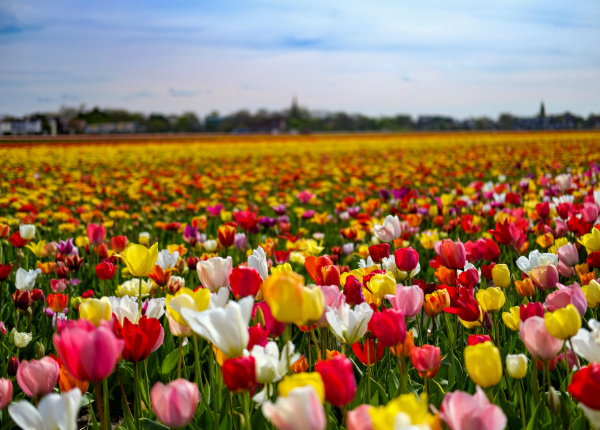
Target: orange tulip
<point>159,276</point>
<point>445,276</point>
<point>403,350</point>
<point>301,365</point>
<point>57,302</point>
<point>436,302</point>
<point>525,288</point>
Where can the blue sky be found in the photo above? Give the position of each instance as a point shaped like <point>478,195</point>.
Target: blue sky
<point>460,58</point>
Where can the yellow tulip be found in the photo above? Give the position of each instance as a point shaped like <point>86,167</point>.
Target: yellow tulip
<point>281,268</point>
<point>512,319</point>
<point>484,364</point>
<point>383,417</point>
<point>545,240</point>
<point>131,288</point>
<point>186,298</point>
<point>591,241</point>
<point>563,323</point>
<point>472,324</point>
<point>301,380</point>
<point>313,305</point>
<point>37,248</point>
<point>140,260</point>
<point>284,292</point>
<point>382,284</point>
<point>501,275</point>
<point>95,310</point>
<point>491,299</point>
<point>82,241</point>
<point>592,294</point>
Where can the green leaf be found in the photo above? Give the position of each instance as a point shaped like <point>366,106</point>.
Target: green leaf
<point>534,420</point>
<point>382,394</point>
<point>359,394</point>
<point>514,422</point>
<point>436,393</point>
<point>152,425</point>
<point>170,363</point>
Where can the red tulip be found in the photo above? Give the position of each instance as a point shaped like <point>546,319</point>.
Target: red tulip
<point>16,240</point>
<point>452,254</point>
<point>486,271</point>
<point>5,270</point>
<point>239,374</point>
<point>368,354</point>
<point>13,366</point>
<point>507,233</point>
<point>106,270</point>
<point>226,234</point>
<point>474,339</point>
<point>314,266</point>
<point>467,307</point>
<point>192,262</point>
<point>74,262</point>
<point>468,278</point>
<point>118,243</point>
<point>140,339</point>
<point>585,386</point>
<point>338,377</point>
<point>62,271</point>
<point>426,360</point>
<point>543,210</point>
<point>23,299</point>
<point>90,353</point>
<point>389,327</point>
<point>353,290</point>
<point>246,219</point>
<point>594,260</point>
<point>492,250</point>
<point>330,275</point>
<point>96,234</point>
<point>407,259</point>
<point>475,251</point>
<point>379,252</point>
<point>57,302</point>
<point>531,309</point>
<point>244,282</point>
<point>257,336</point>
<point>282,257</point>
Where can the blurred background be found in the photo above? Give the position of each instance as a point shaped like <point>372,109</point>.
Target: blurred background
<point>297,66</point>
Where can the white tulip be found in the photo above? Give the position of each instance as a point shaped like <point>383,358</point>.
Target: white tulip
<point>258,261</point>
<point>156,308</point>
<point>125,307</point>
<point>270,366</point>
<point>219,299</point>
<point>362,264</point>
<point>54,412</point>
<point>27,231</point>
<point>586,343</point>
<point>214,272</point>
<point>166,260</point>
<point>21,339</point>
<point>226,328</point>
<point>390,230</point>
<point>564,181</point>
<point>349,325</point>
<point>210,245</point>
<point>25,280</point>
<point>536,258</point>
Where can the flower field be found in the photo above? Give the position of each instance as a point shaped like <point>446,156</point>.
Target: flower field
<point>417,281</point>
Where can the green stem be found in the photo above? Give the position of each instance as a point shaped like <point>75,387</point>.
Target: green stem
<point>180,357</point>
<point>140,299</point>
<point>105,396</point>
<point>136,390</point>
<point>536,387</point>
<point>451,341</point>
<point>246,402</point>
<point>520,393</point>
<point>99,406</point>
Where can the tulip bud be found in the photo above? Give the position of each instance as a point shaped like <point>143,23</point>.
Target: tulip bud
<point>301,365</point>
<point>40,350</point>
<point>13,366</point>
<point>554,401</point>
<point>501,276</point>
<point>11,337</point>
<point>516,365</point>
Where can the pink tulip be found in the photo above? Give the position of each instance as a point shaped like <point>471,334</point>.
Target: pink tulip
<point>333,298</point>
<point>96,234</point>
<point>568,254</point>
<point>545,277</point>
<point>407,299</point>
<point>300,409</point>
<point>6,390</point>
<point>37,377</point>
<point>589,213</point>
<point>565,271</point>
<point>567,295</point>
<point>275,327</point>
<point>540,344</point>
<point>359,418</point>
<point>461,411</point>
<point>452,254</point>
<point>475,250</point>
<point>174,404</point>
<point>90,353</point>
<point>561,229</point>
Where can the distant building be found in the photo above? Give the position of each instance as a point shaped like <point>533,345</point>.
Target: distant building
<point>21,127</point>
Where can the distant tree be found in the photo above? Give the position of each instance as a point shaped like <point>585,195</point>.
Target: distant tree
<point>506,121</point>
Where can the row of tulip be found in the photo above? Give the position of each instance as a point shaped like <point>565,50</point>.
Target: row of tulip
<point>468,305</point>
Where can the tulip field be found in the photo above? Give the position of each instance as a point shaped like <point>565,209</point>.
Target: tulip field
<point>359,282</point>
